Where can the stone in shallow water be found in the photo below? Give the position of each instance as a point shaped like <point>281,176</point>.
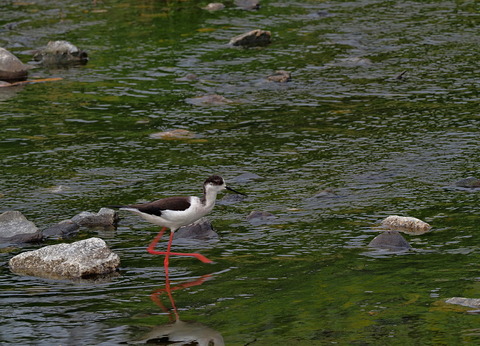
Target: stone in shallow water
<point>63,229</point>
<point>470,182</point>
<point>106,217</point>
<point>81,259</point>
<point>200,229</point>
<point>254,38</point>
<point>11,68</point>
<point>280,76</point>
<point>409,225</point>
<point>390,240</point>
<point>15,228</point>
<point>469,302</point>
<point>61,53</point>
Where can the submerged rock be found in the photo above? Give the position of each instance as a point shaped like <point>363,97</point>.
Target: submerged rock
<point>11,68</point>
<point>259,217</point>
<point>406,224</point>
<point>200,229</point>
<point>254,38</point>
<point>469,302</point>
<point>280,76</point>
<point>104,218</point>
<point>470,182</point>
<point>248,4</point>
<point>15,228</point>
<point>246,177</point>
<point>208,100</point>
<point>84,258</point>
<point>61,53</point>
<point>63,229</point>
<point>390,240</point>
<point>173,134</point>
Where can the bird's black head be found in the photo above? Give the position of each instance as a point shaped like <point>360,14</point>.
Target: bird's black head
<point>215,180</point>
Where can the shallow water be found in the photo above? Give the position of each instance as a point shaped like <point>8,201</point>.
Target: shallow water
<point>340,147</point>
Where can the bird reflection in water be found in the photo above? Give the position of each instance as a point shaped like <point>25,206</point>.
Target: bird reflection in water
<point>179,332</point>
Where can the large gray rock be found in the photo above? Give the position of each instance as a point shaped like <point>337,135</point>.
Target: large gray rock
<point>200,229</point>
<point>106,217</point>
<point>82,259</point>
<point>15,228</point>
<point>11,68</point>
<point>390,240</point>
<point>61,53</point>
<point>254,38</point>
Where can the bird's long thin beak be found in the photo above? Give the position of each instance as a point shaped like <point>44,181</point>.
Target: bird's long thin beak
<point>230,189</point>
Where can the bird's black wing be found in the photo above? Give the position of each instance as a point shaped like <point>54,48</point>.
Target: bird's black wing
<point>156,207</point>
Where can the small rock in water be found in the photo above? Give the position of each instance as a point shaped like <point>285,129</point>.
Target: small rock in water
<point>61,53</point>
<point>84,258</point>
<point>409,225</point>
<point>231,199</point>
<point>259,217</point>
<point>187,78</point>
<point>208,100</point>
<point>104,218</point>
<point>390,240</point>
<point>252,38</point>
<point>15,228</point>
<point>248,4</point>
<point>200,229</point>
<point>173,134</point>
<point>280,76</point>
<point>214,6</point>
<point>469,302</point>
<point>470,182</point>
<point>64,229</point>
<point>246,177</point>
<point>11,68</point>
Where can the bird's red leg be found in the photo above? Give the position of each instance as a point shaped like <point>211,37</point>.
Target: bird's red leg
<point>165,262</point>
<point>153,244</point>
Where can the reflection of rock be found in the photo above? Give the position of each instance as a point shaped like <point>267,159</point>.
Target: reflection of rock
<point>390,240</point>
<point>104,218</point>
<point>15,228</point>
<point>61,53</point>
<point>469,302</point>
<point>208,100</point>
<point>280,76</point>
<point>183,333</point>
<point>11,68</point>
<point>405,224</point>
<point>84,258</point>
<point>469,182</point>
<point>252,38</point>
<point>214,6</point>
<point>64,229</point>
<point>200,229</point>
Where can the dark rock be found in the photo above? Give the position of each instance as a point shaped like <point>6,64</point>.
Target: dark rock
<point>15,228</point>
<point>390,240</point>
<point>84,258</point>
<point>280,76</point>
<point>254,38</point>
<point>61,53</point>
<point>248,5</point>
<point>104,218</point>
<point>327,193</point>
<point>470,182</point>
<point>64,229</point>
<point>11,68</point>
<point>231,199</point>
<point>208,100</point>
<point>200,229</point>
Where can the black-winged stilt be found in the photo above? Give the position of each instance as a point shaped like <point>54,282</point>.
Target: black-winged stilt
<point>175,212</point>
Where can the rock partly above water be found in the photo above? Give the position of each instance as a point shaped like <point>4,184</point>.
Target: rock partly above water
<point>280,76</point>
<point>15,228</point>
<point>390,240</point>
<point>11,68</point>
<point>260,217</point>
<point>82,259</point>
<point>106,217</point>
<point>470,182</point>
<point>200,229</point>
<point>409,225</point>
<point>61,53</point>
<point>254,38</point>
<point>469,302</point>
<point>64,229</point>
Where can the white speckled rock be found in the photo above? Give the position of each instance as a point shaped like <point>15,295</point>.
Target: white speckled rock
<point>84,258</point>
<point>406,224</point>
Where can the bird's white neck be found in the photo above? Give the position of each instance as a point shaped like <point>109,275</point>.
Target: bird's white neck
<point>209,197</point>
